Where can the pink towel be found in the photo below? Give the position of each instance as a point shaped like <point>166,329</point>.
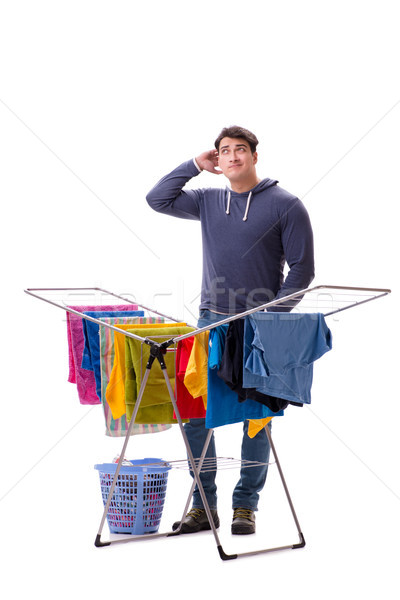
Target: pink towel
<point>84,379</point>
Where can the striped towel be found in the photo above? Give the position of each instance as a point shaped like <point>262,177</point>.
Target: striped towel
<point>118,427</point>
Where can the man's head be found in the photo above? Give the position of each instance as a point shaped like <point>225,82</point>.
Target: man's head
<point>237,157</point>
<point>238,132</point>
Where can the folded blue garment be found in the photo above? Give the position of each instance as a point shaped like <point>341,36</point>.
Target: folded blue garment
<point>279,352</point>
<point>91,351</point>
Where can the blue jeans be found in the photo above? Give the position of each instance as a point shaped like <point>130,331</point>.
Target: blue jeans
<point>252,479</point>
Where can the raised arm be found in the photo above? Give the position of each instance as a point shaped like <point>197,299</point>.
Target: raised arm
<point>207,161</point>
<point>168,196</point>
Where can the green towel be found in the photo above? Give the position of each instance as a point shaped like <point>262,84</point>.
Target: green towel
<point>156,405</point>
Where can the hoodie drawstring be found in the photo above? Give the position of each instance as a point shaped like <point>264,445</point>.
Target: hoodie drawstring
<point>247,207</point>
<point>228,205</point>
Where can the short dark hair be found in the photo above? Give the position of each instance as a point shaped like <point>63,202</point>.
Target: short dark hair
<point>238,132</point>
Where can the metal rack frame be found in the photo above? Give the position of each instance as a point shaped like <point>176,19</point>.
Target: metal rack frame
<point>356,296</point>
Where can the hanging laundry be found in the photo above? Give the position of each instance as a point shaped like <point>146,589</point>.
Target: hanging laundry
<point>279,352</point>
<point>91,350</point>
<point>189,407</point>
<point>222,402</point>
<point>85,381</point>
<point>119,427</point>
<point>115,392</point>
<point>156,400</point>
<point>196,378</point>
<point>255,426</point>
<point>231,369</point>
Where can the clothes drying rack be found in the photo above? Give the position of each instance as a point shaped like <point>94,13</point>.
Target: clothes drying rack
<point>326,299</point>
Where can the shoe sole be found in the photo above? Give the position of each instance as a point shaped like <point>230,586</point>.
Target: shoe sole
<point>242,530</point>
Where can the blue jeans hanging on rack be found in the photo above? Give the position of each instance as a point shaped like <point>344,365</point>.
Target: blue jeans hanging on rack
<point>252,479</point>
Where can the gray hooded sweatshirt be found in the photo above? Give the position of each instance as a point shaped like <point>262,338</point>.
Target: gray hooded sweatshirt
<point>247,238</point>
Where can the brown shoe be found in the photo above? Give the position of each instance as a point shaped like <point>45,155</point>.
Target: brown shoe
<point>244,521</point>
<point>196,520</point>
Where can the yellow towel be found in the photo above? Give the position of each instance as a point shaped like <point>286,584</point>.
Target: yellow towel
<point>195,379</point>
<point>255,425</point>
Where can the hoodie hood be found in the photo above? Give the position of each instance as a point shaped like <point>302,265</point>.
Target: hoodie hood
<point>264,184</point>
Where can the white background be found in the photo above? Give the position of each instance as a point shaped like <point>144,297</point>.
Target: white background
<point>98,100</point>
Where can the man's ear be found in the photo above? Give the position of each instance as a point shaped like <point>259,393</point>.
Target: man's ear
<point>255,158</point>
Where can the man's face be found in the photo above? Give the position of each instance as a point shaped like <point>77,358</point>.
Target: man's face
<point>236,160</point>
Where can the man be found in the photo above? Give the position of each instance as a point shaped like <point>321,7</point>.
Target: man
<point>249,230</point>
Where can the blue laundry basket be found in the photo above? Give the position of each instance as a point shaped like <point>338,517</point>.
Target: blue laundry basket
<point>138,499</point>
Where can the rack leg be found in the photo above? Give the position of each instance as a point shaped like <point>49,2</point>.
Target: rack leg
<point>278,464</point>
<point>200,465</point>
<point>97,542</point>
<point>196,472</point>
